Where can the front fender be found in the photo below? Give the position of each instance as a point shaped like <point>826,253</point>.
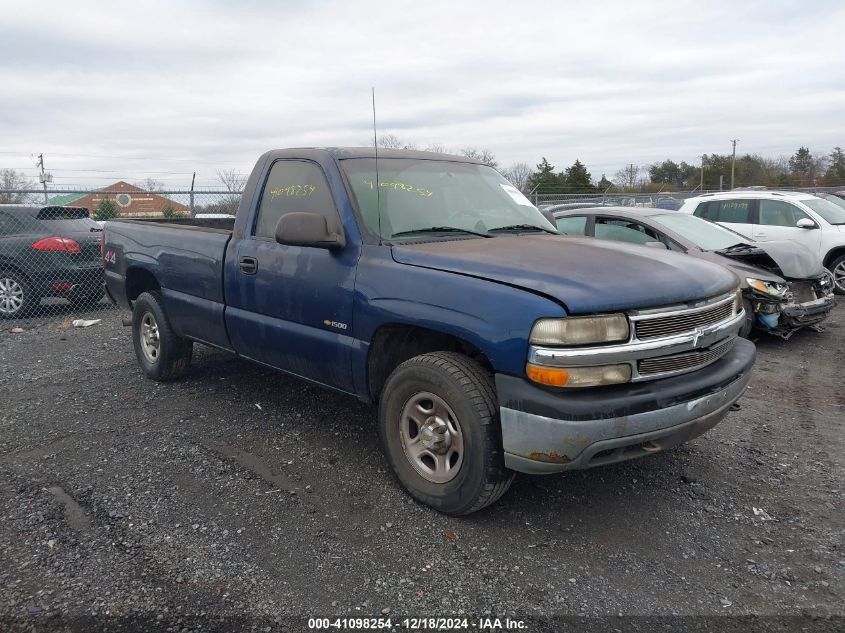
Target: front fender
<point>493,317</point>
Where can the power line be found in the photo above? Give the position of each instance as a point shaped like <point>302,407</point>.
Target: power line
<point>153,158</point>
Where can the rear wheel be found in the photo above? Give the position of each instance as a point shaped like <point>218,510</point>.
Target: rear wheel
<point>16,296</point>
<point>439,427</point>
<point>837,267</point>
<point>160,352</point>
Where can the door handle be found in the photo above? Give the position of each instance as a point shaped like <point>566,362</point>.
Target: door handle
<point>248,265</point>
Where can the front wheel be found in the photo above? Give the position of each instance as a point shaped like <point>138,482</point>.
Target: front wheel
<point>160,352</point>
<point>837,267</point>
<point>439,427</point>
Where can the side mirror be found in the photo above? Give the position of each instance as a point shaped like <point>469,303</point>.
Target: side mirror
<point>655,245</point>
<point>308,229</point>
<point>806,223</point>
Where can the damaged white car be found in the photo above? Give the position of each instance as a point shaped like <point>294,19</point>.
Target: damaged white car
<point>784,285</point>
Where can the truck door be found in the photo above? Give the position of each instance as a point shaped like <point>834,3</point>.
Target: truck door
<point>291,306</point>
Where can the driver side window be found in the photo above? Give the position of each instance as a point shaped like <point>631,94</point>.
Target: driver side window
<point>779,213</point>
<point>293,186</point>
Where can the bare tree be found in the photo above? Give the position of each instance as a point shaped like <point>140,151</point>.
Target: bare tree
<point>232,179</point>
<point>439,148</point>
<point>483,155</point>
<point>391,141</point>
<point>234,182</point>
<point>150,184</point>
<point>518,174</point>
<point>15,187</point>
<point>627,177</point>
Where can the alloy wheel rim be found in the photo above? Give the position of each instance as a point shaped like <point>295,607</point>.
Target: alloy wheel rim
<point>150,342</point>
<point>839,276</point>
<point>11,295</point>
<point>431,437</point>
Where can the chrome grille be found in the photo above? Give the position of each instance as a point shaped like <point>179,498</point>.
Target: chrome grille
<point>658,326</point>
<point>684,361</point>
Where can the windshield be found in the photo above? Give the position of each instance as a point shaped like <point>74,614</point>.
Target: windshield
<point>839,201</point>
<point>832,213</point>
<point>706,235</point>
<point>421,197</point>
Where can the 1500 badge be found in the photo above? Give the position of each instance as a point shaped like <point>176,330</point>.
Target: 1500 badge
<point>334,324</point>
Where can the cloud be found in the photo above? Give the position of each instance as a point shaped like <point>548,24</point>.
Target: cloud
<point>157,86</point>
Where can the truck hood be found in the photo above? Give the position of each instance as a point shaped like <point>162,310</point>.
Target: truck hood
<point>781,257</point>
<point>583,274</point>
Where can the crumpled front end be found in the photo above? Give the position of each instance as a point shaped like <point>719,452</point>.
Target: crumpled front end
<point>805,303</point>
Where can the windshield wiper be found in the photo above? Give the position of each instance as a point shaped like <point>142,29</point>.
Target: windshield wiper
<point>739,246</point>
<point>517,227</point>
<point>439,229</point>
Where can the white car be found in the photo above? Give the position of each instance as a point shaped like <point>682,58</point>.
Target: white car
<point>780,215</point>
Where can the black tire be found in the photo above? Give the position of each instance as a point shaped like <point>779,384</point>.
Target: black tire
<point>172,359</point>
<point>468,390</point>
<point>837,268</point>
<point>17,299</point>
<point>750,318</point>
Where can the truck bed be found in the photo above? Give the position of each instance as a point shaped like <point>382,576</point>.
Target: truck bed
<point>186,257</point>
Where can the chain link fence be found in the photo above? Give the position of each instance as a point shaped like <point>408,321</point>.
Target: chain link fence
<point>50,259</point>
<point>663,199</point>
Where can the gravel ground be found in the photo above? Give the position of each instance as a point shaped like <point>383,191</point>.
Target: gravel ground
<point>238,497</point>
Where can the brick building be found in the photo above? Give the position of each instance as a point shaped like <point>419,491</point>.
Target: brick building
<point>130,201</point>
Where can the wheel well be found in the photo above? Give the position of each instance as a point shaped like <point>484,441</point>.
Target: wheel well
<point>7,265</point>
<point>139,280</point>
<point>833,254</point>
<point>392,345</point>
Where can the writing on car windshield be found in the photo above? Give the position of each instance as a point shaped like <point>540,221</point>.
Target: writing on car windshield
<point>415,197</point>
<point>400,186</point>
<point>292,190</point>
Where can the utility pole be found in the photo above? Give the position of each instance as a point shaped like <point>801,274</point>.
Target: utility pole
<point>193,179</point>
<point>44,177</point>
<point>701,186</point>
<point>733,161</point>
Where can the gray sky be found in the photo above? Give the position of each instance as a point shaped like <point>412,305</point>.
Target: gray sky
<point>154,89</point>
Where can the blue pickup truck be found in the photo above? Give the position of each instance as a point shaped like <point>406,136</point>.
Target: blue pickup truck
<point>427,284</point>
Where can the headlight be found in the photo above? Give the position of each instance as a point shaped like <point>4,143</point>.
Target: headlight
<point>579,376</point>
<point>580,330</point>
<point>770,288</point>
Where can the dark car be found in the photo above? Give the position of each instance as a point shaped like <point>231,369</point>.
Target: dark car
<point>667,202</point>
<point>48,251</point>
<point>784,285</point>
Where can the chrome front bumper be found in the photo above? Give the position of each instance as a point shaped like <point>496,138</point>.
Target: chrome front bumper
<point>546,432</point>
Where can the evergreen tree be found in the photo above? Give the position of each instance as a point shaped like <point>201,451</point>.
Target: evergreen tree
<point>106,210</point>
<point>544,179</point>
<point>801,162</point>
<point>835,174</point>
<point>170,213</point>
<point>577,179</point>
